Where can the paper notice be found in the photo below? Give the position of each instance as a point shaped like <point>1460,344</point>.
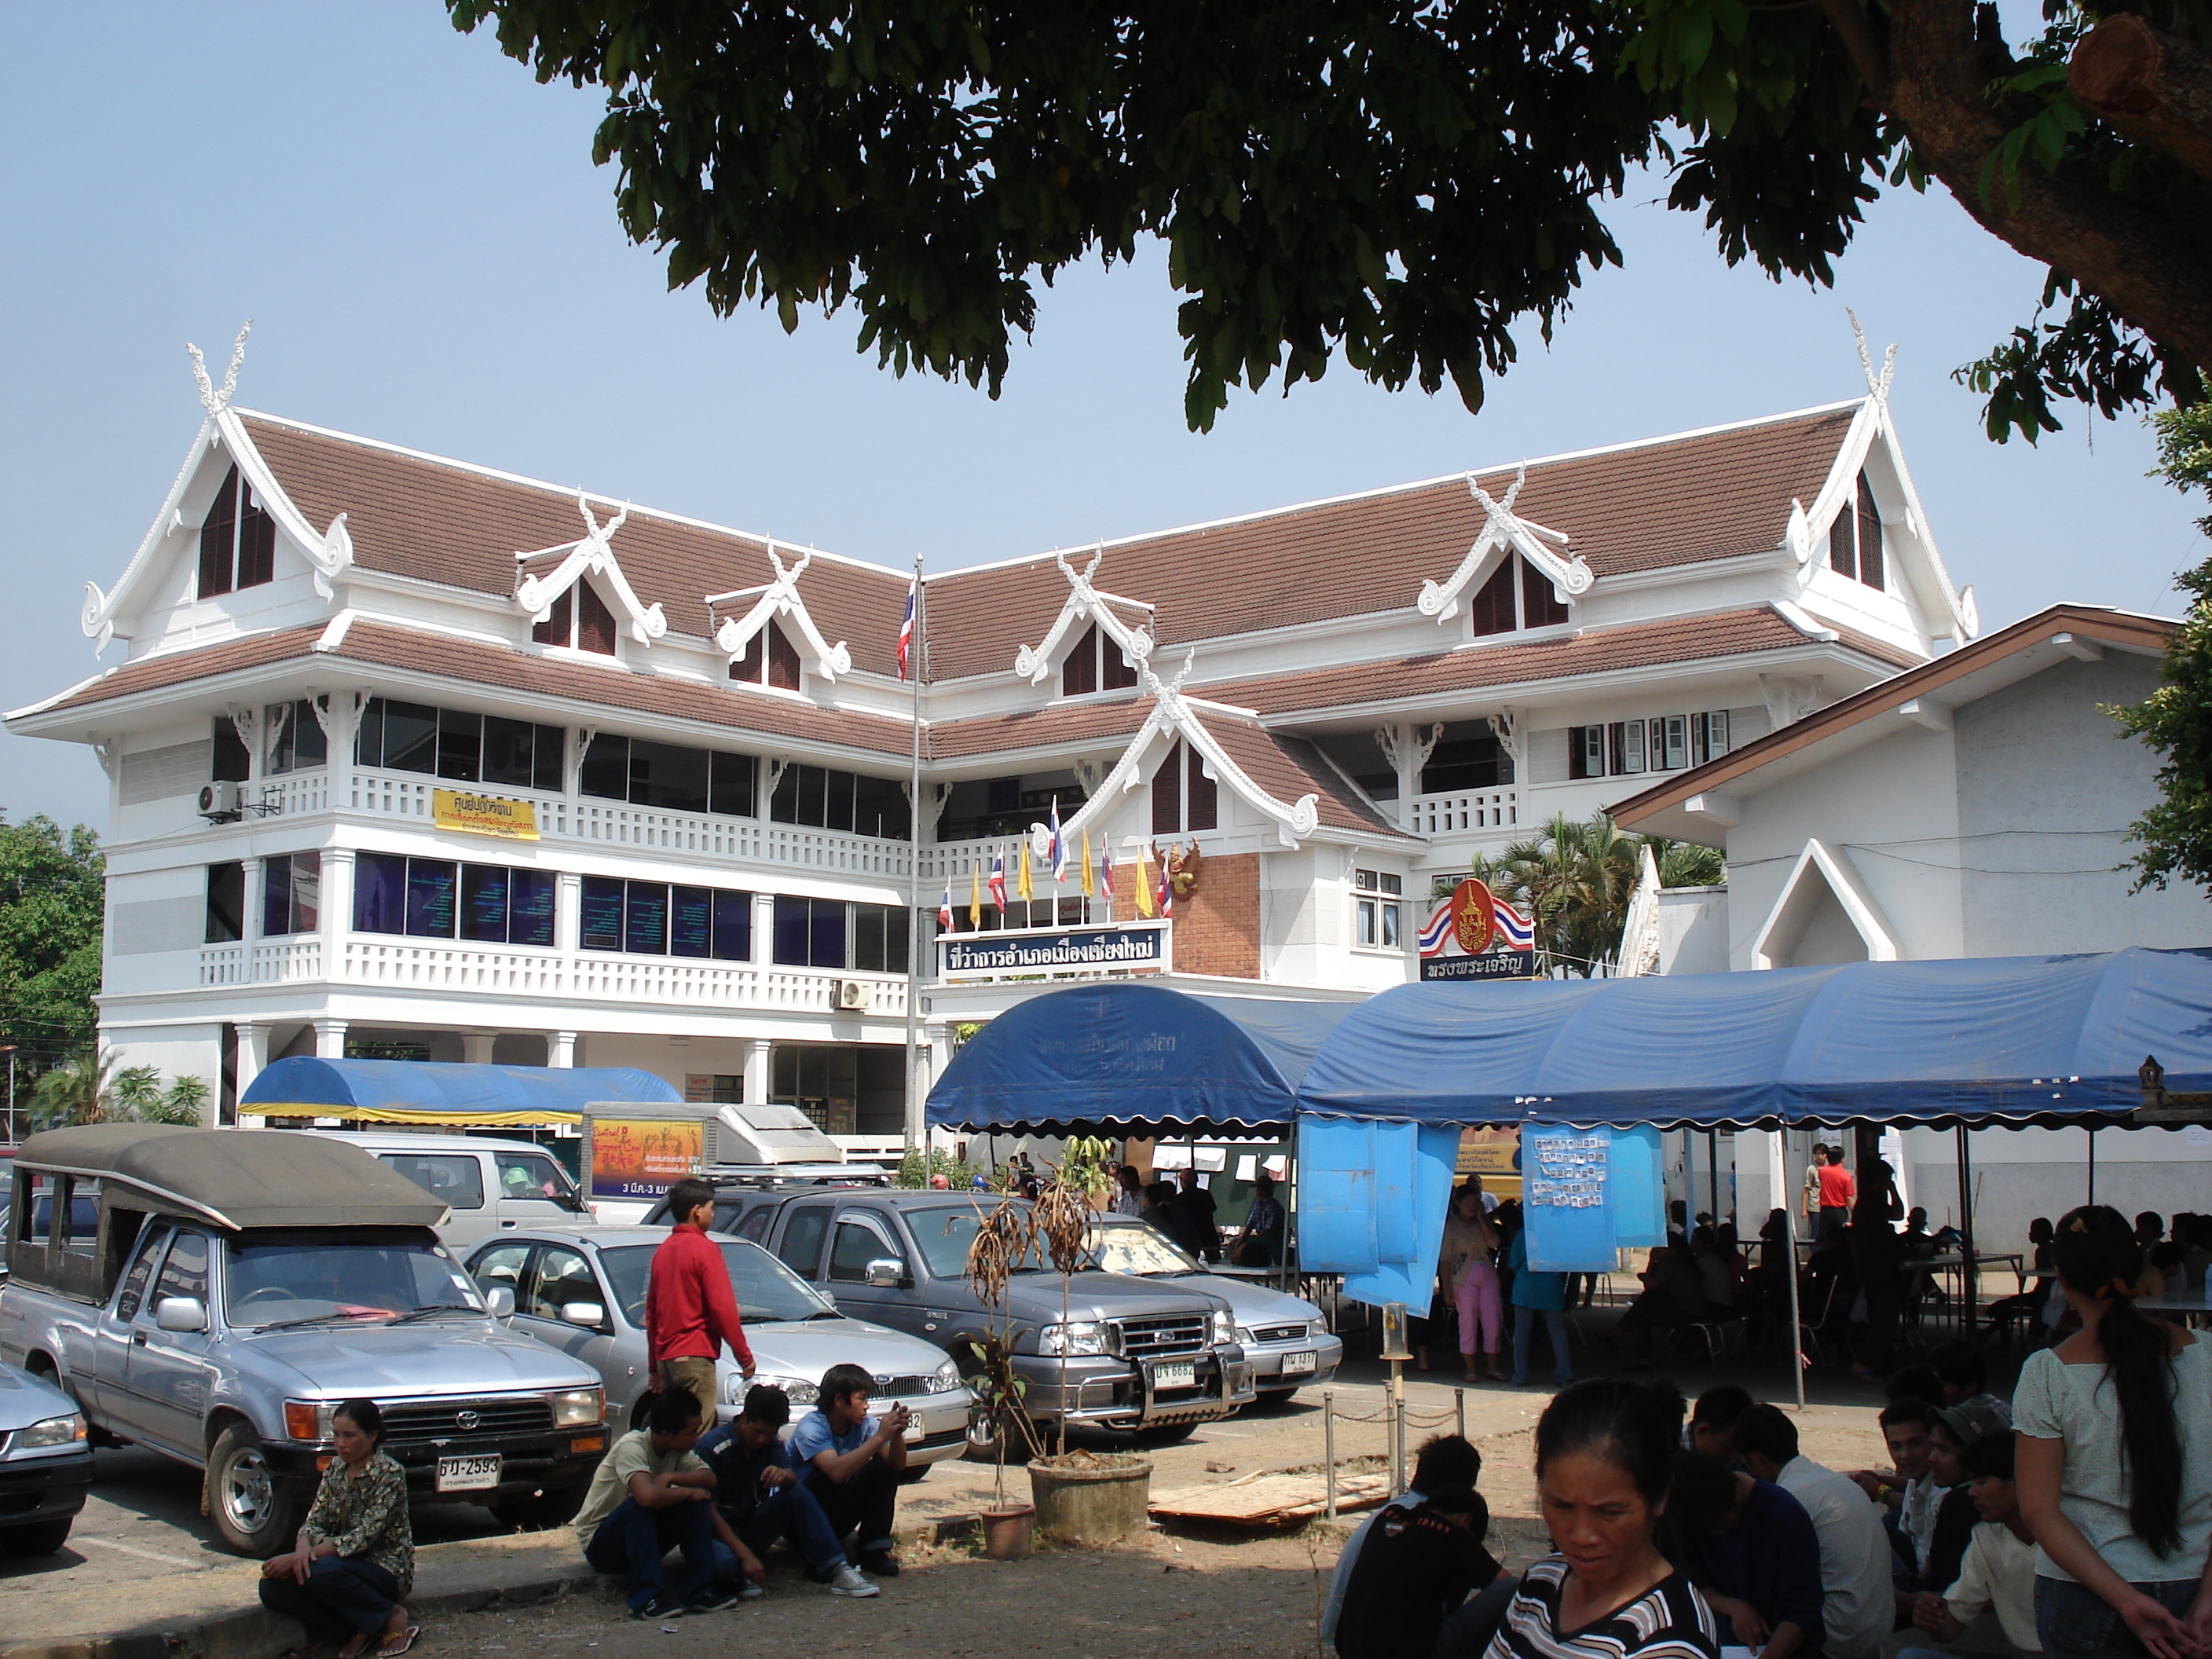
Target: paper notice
<point>1248,1166</point>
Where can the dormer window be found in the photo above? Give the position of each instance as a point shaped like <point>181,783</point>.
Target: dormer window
<point>1183,797</point>
<point>579,619</point>
<point>1516,596</point>
<point>771,659</point>
<point>1854,540</point>
<point>238,543</point>
<point>1096,662</point>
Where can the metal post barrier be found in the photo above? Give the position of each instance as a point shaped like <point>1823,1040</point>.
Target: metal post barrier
<point>1328,1444</point>
<point>1397,1427</point>
<point>1459,1407</point>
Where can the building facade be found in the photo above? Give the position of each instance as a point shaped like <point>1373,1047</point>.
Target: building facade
<point>409,757</point>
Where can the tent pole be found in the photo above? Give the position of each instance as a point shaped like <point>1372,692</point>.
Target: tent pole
<point>1796,1315</point>
<point>2092,1165</point>
<point>1713,1174</point>
<point>1970,1302</point>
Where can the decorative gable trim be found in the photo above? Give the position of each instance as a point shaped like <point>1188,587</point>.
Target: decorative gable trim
<point>592,555</point>
<point>1819,868</point>
<point>328,552</point>
<point>1085,604</point>
<point>779,597</point>
<point>1503,529</point>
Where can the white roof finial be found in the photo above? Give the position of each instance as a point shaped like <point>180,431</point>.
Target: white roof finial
<point>1877,385</point>
<point>214,401</point>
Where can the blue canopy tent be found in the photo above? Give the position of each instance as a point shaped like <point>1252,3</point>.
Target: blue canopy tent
<point>432,1092</point>
<point>2020,1040</point>
<point>1111,1054</point>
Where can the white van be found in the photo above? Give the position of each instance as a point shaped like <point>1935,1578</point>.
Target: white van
<point>490,1186</point>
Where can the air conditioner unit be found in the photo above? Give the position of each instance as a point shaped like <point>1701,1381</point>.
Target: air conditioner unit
<point>851,994</point>
<point>222,799</point>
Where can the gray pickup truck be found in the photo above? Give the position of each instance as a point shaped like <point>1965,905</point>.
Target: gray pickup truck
<point>1125,1354</point>
<point>228,1288</point>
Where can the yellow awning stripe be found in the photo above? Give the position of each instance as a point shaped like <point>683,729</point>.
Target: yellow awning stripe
<point>510,1120</point>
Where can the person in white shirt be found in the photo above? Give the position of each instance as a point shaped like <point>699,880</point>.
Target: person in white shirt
<point>1998,1572</point>
<point>1857,1607</point>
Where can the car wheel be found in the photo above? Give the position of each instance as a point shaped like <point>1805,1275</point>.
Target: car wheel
<point>40,1538</point>
<point>540,1511</point>
<point>253,1509</point>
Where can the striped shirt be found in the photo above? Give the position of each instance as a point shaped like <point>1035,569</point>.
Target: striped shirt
<point>1670,1621</point>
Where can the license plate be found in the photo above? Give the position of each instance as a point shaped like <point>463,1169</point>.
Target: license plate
<point>479,1472</point>
<point>913,1431</point>
<point>1298,1361</point>
<point>1183,1376</point>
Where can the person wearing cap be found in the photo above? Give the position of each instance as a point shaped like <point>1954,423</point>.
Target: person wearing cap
<point>1996,1573</point>
<point>1953,1432</point>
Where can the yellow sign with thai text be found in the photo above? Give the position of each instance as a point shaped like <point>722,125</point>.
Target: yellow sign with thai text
<point>484,815</point>
<point>643,1157</point>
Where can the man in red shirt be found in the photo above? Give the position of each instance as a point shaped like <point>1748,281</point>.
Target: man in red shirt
<point>689,1312</point>
<point>1837,1191</point>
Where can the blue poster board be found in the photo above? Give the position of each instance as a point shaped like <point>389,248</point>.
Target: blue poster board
<point>1566,1177</point>
<point>1372,1198</point>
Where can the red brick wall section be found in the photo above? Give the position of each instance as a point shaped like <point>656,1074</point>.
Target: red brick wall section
<point>1217,928</point>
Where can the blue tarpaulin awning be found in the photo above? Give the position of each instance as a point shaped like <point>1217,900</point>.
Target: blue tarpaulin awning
<point>430,1091</point>
<point>2009,1039</point>
<point>1123,1052</point>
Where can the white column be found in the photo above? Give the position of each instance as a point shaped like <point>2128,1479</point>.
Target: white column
<point>330,1038</point>
<point>336,916</point>
<point>476,1047</point>
<point>561,1049</point>
<point>757,1075</point>
<point>253,1053</point>
<point>249,925</point>
<point>764,930</point>
<point>567,907</point>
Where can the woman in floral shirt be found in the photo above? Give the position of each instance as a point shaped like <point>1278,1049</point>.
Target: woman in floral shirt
<point>355,1559</point>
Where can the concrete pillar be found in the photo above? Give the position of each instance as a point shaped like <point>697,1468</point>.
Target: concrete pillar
<point>561,1049</point>
<point>253,1053</point>
<point>567,916</point>
<point>757,1074</point>
<point>476,1047</point>
<point>330,1038</point>
<point>336,916</point>
<point>249,925</point>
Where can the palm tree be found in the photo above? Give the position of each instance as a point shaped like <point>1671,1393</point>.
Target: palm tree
<point>1686,864</point>
<point>75,1092</point>
<point>1574,880</point>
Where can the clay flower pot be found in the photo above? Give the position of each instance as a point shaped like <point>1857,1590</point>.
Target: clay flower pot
<point>1007,1532</point>
<point>1085,1498</point>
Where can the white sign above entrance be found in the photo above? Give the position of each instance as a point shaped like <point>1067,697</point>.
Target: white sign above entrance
<point>1054,951</point>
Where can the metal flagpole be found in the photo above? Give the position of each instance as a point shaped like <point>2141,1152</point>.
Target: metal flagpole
<point>1970,1302</point>
<point>913,1096</point>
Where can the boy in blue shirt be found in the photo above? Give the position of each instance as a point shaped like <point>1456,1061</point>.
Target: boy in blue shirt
<point>852,1462</point>
<point>762,1497</point>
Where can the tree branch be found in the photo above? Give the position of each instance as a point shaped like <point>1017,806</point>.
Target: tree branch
<point>2149,86</point>
<point>1848,20</point>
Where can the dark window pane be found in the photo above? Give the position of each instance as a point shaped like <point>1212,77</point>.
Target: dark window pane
<point>257,545</point>
<point>733,926</point>
<point>1463,764</point>
<point>1116,670</point>
<point>667,775</point>
<point>430,894</point>
<point>1492,605</point>
<point>311,744</point>
<point>380,893</point>
<point>839,813</point>
<point>548,752</point>
<point>1842,556</point>
<point>605,770</point>
<point>559,625</point>
<point>530,907</point>
<point>599,925</point>
<point>783,799</point>
<point>410,737</point>
<point>1167,793</point>
<point>1003,794</point>
<point>276,896</point>
<point>217,536</point>
<point>826,946</point>
<point>231,762</point>
<point>896,937</point>
<point>730,785</point>
<point>691,923</point>
<point>507,746</point>
<point>645,919</point>
<point>1870,563</point>
<point>1078,671</point>
<point>307,891</point>
<point>368,742</point>
<point>879,808</point>
<point>483,904</point>
<point>460,746</point>
<point>813,788</point>
<point>595,624</point>
<point>868,937</point>
<point>1540,604</point>
<point>226,903</point>
<point>782,660</point>
<point>1201,809</point>
<point>791,916</point>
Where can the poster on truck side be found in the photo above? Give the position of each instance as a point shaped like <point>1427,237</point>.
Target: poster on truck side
<point>643,1157</point>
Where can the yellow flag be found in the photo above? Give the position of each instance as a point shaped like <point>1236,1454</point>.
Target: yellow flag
<point>1022,876</point>
<point>1089,886</point>
<point>1144,884</point>
<point>975,896</point>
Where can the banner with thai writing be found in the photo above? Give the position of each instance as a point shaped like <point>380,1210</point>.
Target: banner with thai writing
<point>484,815</point>
<point>1046,951</point>
<point>643,1157</point>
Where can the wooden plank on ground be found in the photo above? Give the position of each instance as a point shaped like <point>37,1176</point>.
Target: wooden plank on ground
<point>1271,1500</point>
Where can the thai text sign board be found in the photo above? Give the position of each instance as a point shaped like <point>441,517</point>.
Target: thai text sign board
<point>484,815</point>
<point>644,1158</point>
<point>1491,965</point>
<point>1587,1193</point>
<point>1054,950</point>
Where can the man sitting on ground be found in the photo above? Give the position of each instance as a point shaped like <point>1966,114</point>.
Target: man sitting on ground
<point>1909,1493</point>
<point>1962,1369</point>
<point>1750,1546</point>
<point>1857,1608</point>
<point>1712,1423</point>
<point>651,1494</point>
<point>1410,1589</point>
<point>1445,1460</point>
<point>764,1499</point>
<point>853,1463</point>
<point>1998,1571</point>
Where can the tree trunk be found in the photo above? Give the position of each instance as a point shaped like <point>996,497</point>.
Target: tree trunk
<point>2149,86</point>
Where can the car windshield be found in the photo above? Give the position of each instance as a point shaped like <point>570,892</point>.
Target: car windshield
<point>943,1236</point>
<point>766,1290</point>
<point>312,1277</point>
<point>1143,1250</point>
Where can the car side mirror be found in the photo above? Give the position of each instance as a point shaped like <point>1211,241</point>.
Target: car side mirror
<point>886,1272</point>
<point>499,1301</point>
<point>181,1313</point>
<point>588,1315</point>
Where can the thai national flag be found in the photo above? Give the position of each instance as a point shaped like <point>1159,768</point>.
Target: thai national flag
<point>944,909</point>
<point>1164,896</point>
<point>906,631</point>
<point>1437,928</point>
<point>998,882</point>
<point>1518,932</point>
<point>1106,874</point>
<point>1056,850</point>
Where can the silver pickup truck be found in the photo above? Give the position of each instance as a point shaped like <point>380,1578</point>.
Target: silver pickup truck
<point>230,1287</point>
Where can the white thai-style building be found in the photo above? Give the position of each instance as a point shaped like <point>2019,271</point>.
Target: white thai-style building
<point>354,677</point>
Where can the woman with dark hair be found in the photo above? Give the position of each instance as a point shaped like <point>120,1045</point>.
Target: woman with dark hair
<point>2114,1461</point>
<point>1604,1453</point>
<point>355,1557</point>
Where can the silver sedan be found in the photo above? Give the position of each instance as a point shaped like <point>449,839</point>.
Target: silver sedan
<point>582,1290</point>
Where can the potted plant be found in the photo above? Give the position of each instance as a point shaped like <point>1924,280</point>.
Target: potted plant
<point>1003,1236</point>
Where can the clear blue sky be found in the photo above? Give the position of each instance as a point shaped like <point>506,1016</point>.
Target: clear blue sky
<point>429,258</point>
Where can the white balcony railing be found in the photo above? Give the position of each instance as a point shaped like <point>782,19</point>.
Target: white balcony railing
<point>1464,811</point>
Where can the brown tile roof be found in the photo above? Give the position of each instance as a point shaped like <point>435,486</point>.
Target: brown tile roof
<point>1287,767</point>
<point>181,668</point>
<point>1039,728</point>
<point>439,522</point>
<point>1681,500</point>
